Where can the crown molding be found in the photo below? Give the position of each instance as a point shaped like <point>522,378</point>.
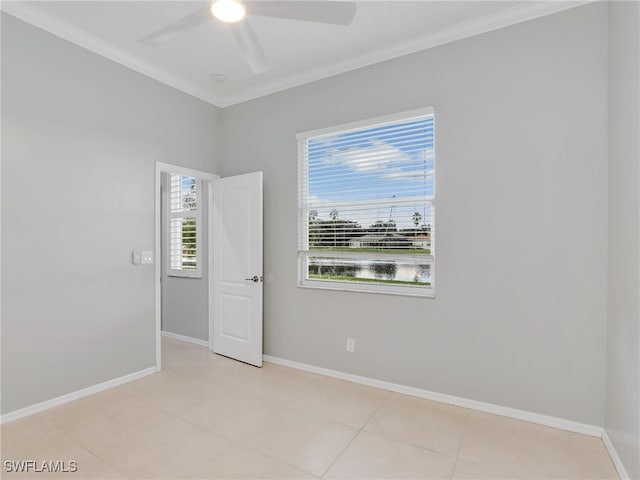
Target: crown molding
<point>488,23</point>
<point>477,26</point>
<point>77,36</point>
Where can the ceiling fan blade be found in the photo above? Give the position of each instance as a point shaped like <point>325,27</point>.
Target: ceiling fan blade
<point>186,23</point>
<point>246,38</point>
<point>337,13</point>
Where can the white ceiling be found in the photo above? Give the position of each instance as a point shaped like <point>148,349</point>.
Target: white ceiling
<point>299,52</point>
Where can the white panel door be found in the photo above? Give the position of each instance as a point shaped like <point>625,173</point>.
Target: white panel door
<point>237,267</point>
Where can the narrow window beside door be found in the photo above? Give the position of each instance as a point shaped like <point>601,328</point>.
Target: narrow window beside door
<point>184,226</point>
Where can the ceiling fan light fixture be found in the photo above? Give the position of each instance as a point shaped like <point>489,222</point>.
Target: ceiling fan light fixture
<point>229,11</point>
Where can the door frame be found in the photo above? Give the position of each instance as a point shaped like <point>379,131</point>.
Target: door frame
<point>210,256</point>
<point>207,178</point>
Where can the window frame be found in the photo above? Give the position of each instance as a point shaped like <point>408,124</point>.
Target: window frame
<point>197,215</point>
<point>303,221</point>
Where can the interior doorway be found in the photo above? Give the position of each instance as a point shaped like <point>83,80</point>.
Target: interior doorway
<point>182,267</point>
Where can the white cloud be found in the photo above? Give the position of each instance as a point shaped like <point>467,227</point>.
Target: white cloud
<point>378,155</point>
<point>315,202</point>
<point>403,173</point>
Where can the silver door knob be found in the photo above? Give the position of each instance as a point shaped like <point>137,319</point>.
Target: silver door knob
<point>254,279</point>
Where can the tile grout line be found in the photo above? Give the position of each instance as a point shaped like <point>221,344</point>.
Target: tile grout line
<point>326,470</point>
<point>84,448</point>
<point>242,442</point>
<point>360,430</point>
<point>464,433</point>
<point>384,404</point>
<point>315,416</point>
<point>248,447</point>
<point>404,442</point>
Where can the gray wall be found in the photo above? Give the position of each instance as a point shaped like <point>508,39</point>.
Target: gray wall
<point>519,318</point>
<point>81,135</point>
<point>622,419</point>
<point>521,128</point>
<point>185,301</point>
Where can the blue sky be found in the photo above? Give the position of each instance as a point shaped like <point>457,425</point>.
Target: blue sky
<point>391,164</point>
<point>181,200</point>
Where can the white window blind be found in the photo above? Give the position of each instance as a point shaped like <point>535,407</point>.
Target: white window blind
<point>366,216</point>
<point>184,225</point>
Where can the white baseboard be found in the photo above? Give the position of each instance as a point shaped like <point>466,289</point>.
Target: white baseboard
<point>615,458</point>
<point>184,338</point>
<point>69,397</point>
<point>546,420</point>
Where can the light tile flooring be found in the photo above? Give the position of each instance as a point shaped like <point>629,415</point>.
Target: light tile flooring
<point>205,416</point>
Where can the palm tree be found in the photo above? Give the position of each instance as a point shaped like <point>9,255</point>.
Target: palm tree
<point>313,228</point>
<point>416,220</point>
<point>333,215</point>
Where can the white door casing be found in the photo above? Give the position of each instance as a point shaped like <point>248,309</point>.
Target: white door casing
<point>161,168</point>
<point>237,267</point>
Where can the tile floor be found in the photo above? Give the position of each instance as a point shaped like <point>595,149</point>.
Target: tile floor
<point>205,416</point>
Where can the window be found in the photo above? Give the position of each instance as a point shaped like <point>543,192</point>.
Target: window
<point>184,223</point>
<point>366,205</point>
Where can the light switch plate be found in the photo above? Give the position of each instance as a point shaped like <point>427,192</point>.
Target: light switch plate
<point>147,257</point>
<point>136,257</point>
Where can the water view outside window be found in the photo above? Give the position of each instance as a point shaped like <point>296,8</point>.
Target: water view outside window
<point>367,203</point>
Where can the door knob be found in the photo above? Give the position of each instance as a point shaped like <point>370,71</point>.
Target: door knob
<point>254,279</point>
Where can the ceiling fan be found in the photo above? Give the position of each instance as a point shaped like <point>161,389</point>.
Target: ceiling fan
<point>233,13</point>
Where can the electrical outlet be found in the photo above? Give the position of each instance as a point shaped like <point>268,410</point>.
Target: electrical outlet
<point>351,345</point>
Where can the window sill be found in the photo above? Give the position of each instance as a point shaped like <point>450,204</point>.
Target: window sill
<point>335,285</point>
<point>194,275</point>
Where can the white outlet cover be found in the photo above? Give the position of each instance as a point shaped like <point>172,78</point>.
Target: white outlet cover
<point>351,345</point>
